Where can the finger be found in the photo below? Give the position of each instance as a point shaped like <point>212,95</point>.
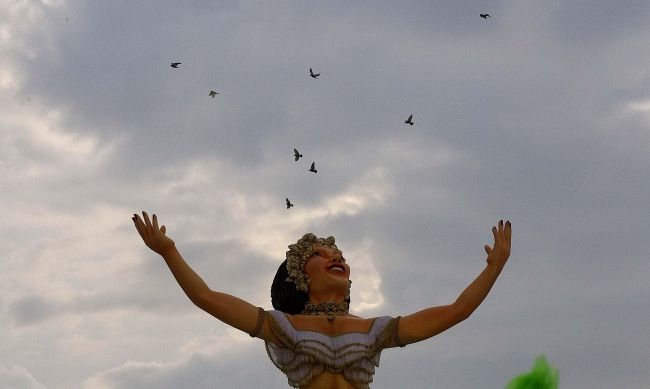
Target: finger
<point>495,232</point>
<point>148,228</point>
<point>508,233</point>
<point>155,224</point>
<point>163,229</point>
<point>502,234</point>
<point>487,249</point>
<point>147,222</point>
<point>138,225</point>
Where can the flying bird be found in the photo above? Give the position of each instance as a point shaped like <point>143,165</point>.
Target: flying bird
<point>311,73</point>
<point>289,205</point>
<point>213,93</point>
<point>484,16</point>
<point>409,120</point>
<point>296,154</point>
<point>313,168</point>
<point>175,65</point>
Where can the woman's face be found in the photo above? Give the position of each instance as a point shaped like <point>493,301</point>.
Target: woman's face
<point>326,268</point>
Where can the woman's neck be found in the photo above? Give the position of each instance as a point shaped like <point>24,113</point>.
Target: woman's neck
<point>327,297</point>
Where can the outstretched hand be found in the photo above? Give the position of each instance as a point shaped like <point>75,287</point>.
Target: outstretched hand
<point>498,254</point>
<point>153,236</point>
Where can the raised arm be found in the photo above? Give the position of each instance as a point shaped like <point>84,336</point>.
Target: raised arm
<point>229,309</point>
<point>432,321</point>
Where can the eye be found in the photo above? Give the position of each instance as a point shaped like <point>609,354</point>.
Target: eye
<point>315,253</point>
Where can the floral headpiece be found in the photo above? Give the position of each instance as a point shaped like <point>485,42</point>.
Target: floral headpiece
<point>298,255</point>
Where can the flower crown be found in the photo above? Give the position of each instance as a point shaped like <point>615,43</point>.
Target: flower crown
<point>298,255</point>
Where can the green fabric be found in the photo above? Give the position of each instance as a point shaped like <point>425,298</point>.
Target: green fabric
<point>543,376</point>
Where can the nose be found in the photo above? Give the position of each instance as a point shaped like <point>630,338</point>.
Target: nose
<point>338,256</point>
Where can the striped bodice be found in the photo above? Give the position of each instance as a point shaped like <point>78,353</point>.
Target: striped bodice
<point>303,355</point>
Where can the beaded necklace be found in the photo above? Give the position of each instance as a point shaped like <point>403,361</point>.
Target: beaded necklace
<point>329,309</point>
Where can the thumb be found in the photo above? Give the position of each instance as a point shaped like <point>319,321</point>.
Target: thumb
<point>487,249</point>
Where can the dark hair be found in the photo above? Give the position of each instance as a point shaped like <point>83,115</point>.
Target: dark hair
<point>284,295</point>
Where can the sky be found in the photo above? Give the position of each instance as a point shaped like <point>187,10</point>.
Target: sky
<point>539,115</point>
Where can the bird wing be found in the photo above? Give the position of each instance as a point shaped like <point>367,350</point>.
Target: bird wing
<point>313,165</point>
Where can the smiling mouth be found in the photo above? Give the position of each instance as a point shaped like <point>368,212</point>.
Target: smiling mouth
<point>337,269</point>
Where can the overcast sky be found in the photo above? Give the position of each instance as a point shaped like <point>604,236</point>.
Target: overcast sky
<point>539,114</point>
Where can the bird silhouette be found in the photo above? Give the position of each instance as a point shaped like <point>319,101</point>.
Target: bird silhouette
<point>289,205</point>
<point>311,73</point>
<point>313,168</point>
<point>175,65</point>
<point>213,93</point>
<point>409,120</point>
<point>484,16</point>
<point>296,154</point>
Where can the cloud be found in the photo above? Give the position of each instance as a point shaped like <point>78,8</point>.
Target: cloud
<point>539,114</point>
<point>18,377</point>
<point>366,293</point>
<point>32,309</point>
<point>255,223</point>
<point>223,361</point>
<point>640,106</point>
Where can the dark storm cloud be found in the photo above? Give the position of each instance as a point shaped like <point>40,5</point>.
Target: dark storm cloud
<point>32,309</point>
<point>525,116</point>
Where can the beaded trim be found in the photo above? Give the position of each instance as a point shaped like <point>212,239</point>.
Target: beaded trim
<point>261,314</point>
